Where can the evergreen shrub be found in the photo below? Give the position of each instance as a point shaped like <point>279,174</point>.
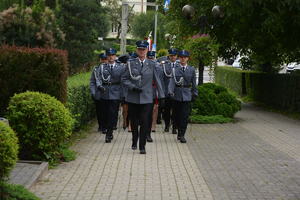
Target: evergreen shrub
<point>8,150</point>
<point>15,192</point>
<point>42,124</point>
<point>79,100</point>
<point>34,69</point>
<point>215,100</point>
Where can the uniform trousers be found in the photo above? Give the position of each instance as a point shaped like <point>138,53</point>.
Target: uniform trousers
<point>99,112</point>
<point>140,121</point>
<point>168,112</point>
<point>110,112</point>
<point>181,114</point>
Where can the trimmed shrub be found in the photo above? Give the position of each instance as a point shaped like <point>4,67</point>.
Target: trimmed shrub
<point>11,192</point>
<point>79,100</point>
<point>215,100</point>
<point>8,150</point>
<point>42,124</point>
<point>231,78</point>
<point>37,69</point>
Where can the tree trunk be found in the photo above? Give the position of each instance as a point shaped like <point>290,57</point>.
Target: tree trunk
<point>200,75</point>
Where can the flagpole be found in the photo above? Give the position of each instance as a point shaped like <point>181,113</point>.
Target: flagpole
<point>155,26</point>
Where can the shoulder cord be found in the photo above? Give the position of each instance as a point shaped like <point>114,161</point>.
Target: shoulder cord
<point>167,75</point>
<point>95,74</point>
<point>136,78</point>
<point>105,80</point>
<point>180,82</point>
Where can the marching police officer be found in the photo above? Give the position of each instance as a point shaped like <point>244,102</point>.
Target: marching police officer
<point>138,77</point>
<point>182,88</point>
<point>95,93</point>
<point>167,66</point>
<point>110,86</point>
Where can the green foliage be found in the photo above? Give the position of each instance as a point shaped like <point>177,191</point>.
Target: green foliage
<point>79,100</point>
<point>162,52</point>
<point>200,119</point>
<point>42,124</point>
<point>215,100</point>
<point>143,24</point>
<point>18,192</point>
<point>279,91</point>
<point>83,21</point>
<point>8,150</point>
<point>21,69</point>
<point>265,30</point>
<point>203,50</point>
<point>34,26</point>
<point>232,78</point>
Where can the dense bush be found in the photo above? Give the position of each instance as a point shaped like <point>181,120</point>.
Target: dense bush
<point>8,150</point>
<point>231,78</point>
<point>15,192</point>
<point>37,69</point>
<point>215,100</point>
<point>279,91</point>
<point>162,52</point>
<point>34,26</point>
<point>79,100</point>
<point>42,124</point>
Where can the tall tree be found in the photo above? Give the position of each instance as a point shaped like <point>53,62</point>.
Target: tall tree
<point>264,30</point>
<point>143,24</point>
<point>83,21</point>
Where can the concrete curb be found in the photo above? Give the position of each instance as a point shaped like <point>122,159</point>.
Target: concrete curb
<point>39,171</point>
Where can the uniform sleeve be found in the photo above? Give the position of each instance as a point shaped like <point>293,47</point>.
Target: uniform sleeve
<point>158,78</point>
<point>93,86</point>
<point>126,80</point>
<point>194,86</point>
<point>171,86</point>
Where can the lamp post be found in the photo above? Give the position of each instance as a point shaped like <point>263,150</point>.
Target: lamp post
<point>189,12</point>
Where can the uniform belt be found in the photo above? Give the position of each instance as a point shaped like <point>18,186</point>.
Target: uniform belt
<point>184,86</point>
<point>116,83</point>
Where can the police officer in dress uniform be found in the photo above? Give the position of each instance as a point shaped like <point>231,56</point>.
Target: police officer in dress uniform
<point>110,86</point>
<point>138,77</point>
<point>168,111</point>
<point>95,93</point>
<point>182,88</point>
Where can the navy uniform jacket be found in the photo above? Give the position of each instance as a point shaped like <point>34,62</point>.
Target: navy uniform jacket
<point>184,90</point>
<point>111,81</point>
<point>147,74</point>
<point>93,83</point>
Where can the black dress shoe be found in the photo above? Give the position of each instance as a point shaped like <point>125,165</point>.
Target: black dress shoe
<point>174,131</point>
<point>178,137</point>
<point>133,147</point>
<point>153,130</point>
<point>158,121</point>
<point>114,128</point>
<point>107,139</point>
<point>104,130</point>
<point>149,139</point>
<point>182,139</point>
<point>111,137</point>
<point>142,151</point>
<point>166,129</point>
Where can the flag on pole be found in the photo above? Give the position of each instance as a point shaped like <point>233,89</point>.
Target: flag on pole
<point>166,5</point>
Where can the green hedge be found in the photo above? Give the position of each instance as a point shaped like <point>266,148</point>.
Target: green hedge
<point>79,99</point>
<point>42,124</point>
<point>8,150</point>
<point>34,69</point>
<point>231,78</point>
<point>280,91</point>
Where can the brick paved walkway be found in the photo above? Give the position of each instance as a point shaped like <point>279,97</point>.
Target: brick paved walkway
<point>255,158</point>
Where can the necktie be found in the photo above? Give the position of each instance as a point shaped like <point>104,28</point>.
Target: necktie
<point>173,65</point>
<point>183,69</point>
<point>111,67</point>
<point>142,64</point>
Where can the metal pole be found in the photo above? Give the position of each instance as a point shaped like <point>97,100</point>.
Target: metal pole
<point>124,27</point>
<point>155,26</point>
